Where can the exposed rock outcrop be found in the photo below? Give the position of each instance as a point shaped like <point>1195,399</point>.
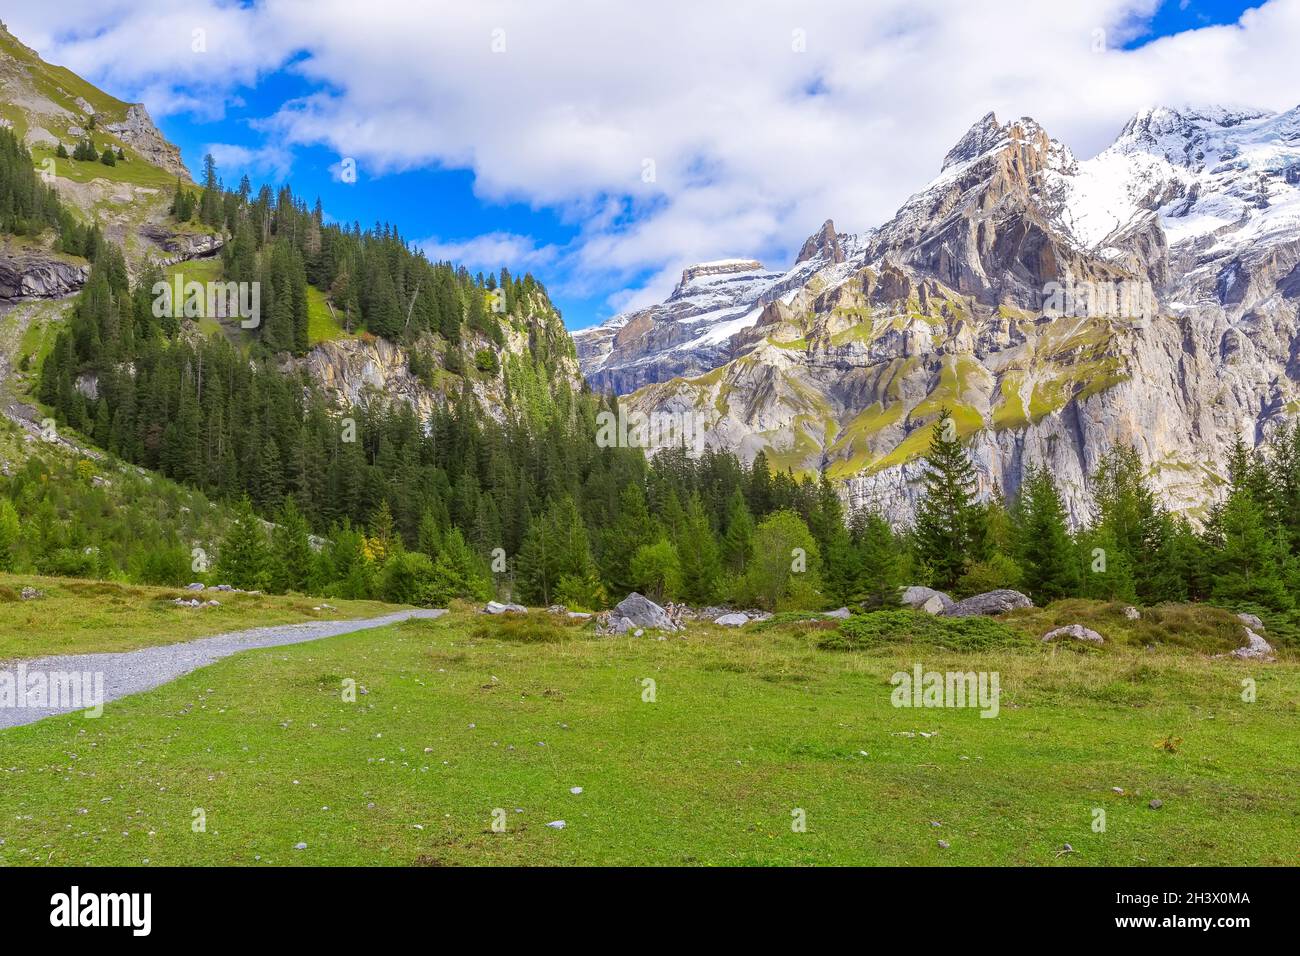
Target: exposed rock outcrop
<point>991,602</point>
<point>30,274</point>
<point>641,612</point>
<point>138,131</point>
<point>1074,632</point>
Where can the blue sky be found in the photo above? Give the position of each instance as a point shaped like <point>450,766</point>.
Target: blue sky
<point>605,146</point>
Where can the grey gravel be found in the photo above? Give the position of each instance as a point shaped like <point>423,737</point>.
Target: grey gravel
<point>130,672</point>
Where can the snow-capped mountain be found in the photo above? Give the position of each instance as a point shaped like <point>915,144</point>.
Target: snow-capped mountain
<point>842,364</point>
<point>690,332</point>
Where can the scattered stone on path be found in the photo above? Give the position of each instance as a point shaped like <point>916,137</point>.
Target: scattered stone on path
<point>1075,632</point>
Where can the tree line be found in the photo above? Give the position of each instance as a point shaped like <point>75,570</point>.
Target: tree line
<point>529,505</point>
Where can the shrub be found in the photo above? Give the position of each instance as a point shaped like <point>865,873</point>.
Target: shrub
<point>522,628</point>
<point>407,578</point>
<point>998,572</point>
<point>912,627</point>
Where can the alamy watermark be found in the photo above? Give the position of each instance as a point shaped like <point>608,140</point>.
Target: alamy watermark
<point>52,690</point>
<point>656,430</point>
<point>923,688</point>
<point>1112,299</point>
<point>208,300</point>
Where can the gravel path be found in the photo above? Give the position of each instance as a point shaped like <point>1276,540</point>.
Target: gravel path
<point>130,672</point>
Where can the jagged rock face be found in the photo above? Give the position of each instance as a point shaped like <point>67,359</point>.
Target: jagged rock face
<point>176,247</point>
<point>138,131</point>
<point>955,302</point>
<point>358,371</point>
<point>692,331</point>
<point>34,274</point>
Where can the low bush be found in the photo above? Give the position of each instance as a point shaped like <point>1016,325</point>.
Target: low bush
<point>881,628</point>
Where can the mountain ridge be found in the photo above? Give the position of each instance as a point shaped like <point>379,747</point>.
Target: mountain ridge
<point>947,303</point>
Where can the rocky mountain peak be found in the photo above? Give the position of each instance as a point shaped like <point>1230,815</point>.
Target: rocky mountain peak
<point>1025,135</point>
<point>824,242</point>
<point>1188,136</point>
<point>719,267</point>
<point>979,139</point>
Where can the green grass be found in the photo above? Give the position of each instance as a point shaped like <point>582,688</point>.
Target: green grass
<point>321,324</point>
<point>746,726</point>
<point>79,617</point>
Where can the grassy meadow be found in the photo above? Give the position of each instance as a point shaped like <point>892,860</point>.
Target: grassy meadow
<point>85,617</point>
<point>467,721</point>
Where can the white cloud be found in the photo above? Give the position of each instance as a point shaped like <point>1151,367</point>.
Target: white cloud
<point>491,251</point>
<point>271,160</point>
<point>746,162</point>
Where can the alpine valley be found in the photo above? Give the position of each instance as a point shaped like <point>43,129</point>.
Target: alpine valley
<point>841,364</point>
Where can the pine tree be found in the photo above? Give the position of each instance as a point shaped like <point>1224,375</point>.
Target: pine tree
<point>10,532</point>
<point>880,575</point>
<point>632,528</point>
<point>737,541</point>
<point>1250,558</point>
<point>243,559</point>
<point>697,551</point>
<point>1046,553</point>
<point>291,550</point>
<point>948,528</point>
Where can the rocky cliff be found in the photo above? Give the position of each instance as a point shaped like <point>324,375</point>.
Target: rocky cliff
<point>1059,307</point>
<point>691,331</point>
<point>358,370</point>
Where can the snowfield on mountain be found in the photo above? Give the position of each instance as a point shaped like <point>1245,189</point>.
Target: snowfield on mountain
<point>842,364</point>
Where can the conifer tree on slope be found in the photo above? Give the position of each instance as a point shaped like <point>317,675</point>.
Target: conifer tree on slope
<point>948,526</point>
<point>1047,555</point>
<point>881,562</point>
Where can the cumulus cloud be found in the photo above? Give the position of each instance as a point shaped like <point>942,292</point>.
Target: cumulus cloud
<point>491,251</point>
<point>271,160</point>
<point>675,131</point>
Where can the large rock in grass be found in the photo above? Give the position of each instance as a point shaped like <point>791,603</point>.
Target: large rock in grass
<point>643,612</point>
<point>1074,632</point>
<point>990,602</point>
<point>1251,621</point>
<point>1256,649</point>
<point>917,597</point>
<point>493,607</point>
<point>839,614</point>
<point>738,619</point>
